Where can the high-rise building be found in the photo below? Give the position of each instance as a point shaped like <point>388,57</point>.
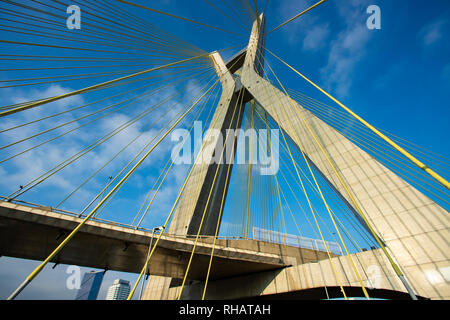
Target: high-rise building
<point>90,285</point>
<point>119,290</point>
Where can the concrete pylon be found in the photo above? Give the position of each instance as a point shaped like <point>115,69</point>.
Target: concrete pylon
<point>189,212</point>
<point>228,115</point>
<point>414,228</point>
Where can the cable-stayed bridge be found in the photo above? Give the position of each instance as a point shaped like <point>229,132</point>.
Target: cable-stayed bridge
<point>374,206</point>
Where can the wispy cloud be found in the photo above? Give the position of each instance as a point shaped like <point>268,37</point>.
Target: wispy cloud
<point>316,37</point>
<point>347,48</point>
<point>345,44</point>
<point>432,32</point>
<point>307,30</point>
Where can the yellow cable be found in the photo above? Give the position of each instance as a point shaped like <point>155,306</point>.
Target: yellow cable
<point>38,269</point>
<point>217,231</point>
<point>225,15</point>
<point>66,95</point>
<point>87,149</point>
<point>130,296</point>
<point>207,202</point>
<point>131,161</point>
<point>308,200</point>
<point>319,189</point>
<point>376,131</point>
<point>168,170</point>
<point>334,113</point>
<point>371,145</point>
<point>298,15</point>
<point>174,16</point>
<point>250,168</point>
<point>276,179</point>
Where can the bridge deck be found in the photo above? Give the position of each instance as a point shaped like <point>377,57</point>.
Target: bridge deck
<point>33,232</point>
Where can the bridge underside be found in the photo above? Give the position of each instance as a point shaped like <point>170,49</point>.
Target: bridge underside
<point>296,281</point>
<point>32,233</point>
<point>241,268</point>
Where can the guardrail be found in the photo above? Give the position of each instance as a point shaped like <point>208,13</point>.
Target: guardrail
<point>73,214</point>
<point>114,223</point>
<point>296,241</point>
<point>258,234</point>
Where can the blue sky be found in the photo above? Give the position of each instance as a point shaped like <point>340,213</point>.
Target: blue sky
<point>397,78</point>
